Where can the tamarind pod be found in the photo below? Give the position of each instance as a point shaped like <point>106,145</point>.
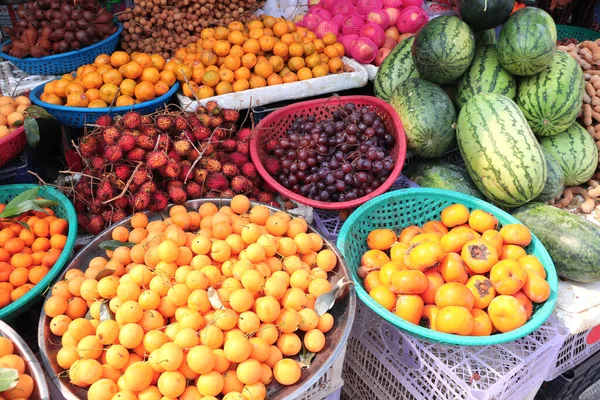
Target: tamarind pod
<point>587,115</point>
<point>589,89</point>
<point>595,101</point>
<point>587,98</point>
<point>594,78</point>
<point>591,130</point>
<point>596,116</point>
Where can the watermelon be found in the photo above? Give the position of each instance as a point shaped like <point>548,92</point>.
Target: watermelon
<point>575,151</point>
<point>500,152</point>
<point>551,99</point>
<point>485,75</point>
<point>428,117</point>
<point>555,180</point>
<point>483,38</point>
<point>572,241</point>
<point>443,49</point>
<point>397,67</point>
<point>526,42</point>
<point>440,175</point>
<point>484,14</point>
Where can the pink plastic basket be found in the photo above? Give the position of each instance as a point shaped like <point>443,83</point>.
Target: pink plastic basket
<point>12,145</point>
<point>275,125</point>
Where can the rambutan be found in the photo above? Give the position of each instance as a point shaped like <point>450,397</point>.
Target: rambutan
<point>216,182</point>
<point>97,162</point>
<point>113,153</point>
<point>177,195</point>
<point>201,110</point>
<point>180,123</point>
<point>204,119</point>
<point>96,206</point>
<point>186,134</point>
<point>228,145</point>
<point>147,120</point>
<point>172,169</point>
<point>121,203</point>
<point>216,121</point>
<point>201,133</point>
<point>193,190</point>
<point>132,120</point>
<point>272,145</point>
<point>140,201</point>
<point>207,148</point>
<point>174,156</point>
<point>244,135</point>
<point>148,187</point>
<point>230,170</point>
<point>193,121</point>
<point>220,134</point>
<point>136,154</point>
<point>141,176</point>
<point>231,115</point>
<point>212,165</point>
<point>118,215</point>
<point>159,201</point>
<point>182,147</point>
<point>272,165</point>
<point>264,197</point>
<point>211,106</point>
<point>227,193</point>
<point>157,159</point>
<point>193,154</point>
<point>163,142</point>
<point>95,225</point>
<point>238,159</point>
<point>241,184</point>
<point>127,142</point>
<point>145,142</point>
<point>123,172</point>
<point>104,120</point>
<point>83,189</point>
<point>164,122</point>
<point>172,184</point>
<point>249,170</point>
<point>200,175</point>
<point>104,191</point>
<point>149,130</point>
<point>212,195</point>
<point>88,145</point>
<point>110,135</point>
<point>83,220</point>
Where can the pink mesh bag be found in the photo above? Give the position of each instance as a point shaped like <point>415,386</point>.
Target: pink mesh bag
<point>343,7</point>
<point>411,19</point>
<point>415,3</point>
<point>352,24</point>
<point>393,13</point>
<point>338,19</point>
<point>380,18</point>
<point>326,27</point>
<point>393,3</point>
<point>373,32</point>
<point>348,40</point>
<point>366,6</point>
<point>327,4</point>
<point>363,50</point>
<point>311,21</point>
<point>322,14</point>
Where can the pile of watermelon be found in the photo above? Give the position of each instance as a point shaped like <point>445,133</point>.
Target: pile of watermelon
<point>509,103</point>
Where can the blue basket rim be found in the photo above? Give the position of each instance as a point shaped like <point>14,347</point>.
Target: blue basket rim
<point>55,57</point>
<point>536,320</point>
<point>33,96</point>
<point>61,262</point>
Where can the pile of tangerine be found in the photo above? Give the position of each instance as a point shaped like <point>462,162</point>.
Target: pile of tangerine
<point>458,275</point>
<point>118,79</point>
<point>8,359</point>
<point>207,303</point>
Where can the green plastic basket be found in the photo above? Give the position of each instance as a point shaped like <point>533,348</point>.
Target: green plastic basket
<point>63,210</point>
<point>398,209</point>
<point>575,32</point>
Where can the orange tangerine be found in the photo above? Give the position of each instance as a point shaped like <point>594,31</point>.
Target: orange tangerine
<point>132,70</point>
<point>223,88</point>
<point>274,79</point>
<point>77,99</point>
<point>296,63</point>
<point>102,59</point>
<point>232,62</point>
<point>249,60</point>
<point>93,80</point>
<point>222,48</point>
<point>210,78</point>
<point>226,75</point>
<point>280,49</point>
<point>119,58</point>
<point>335,65</point>
<point>280,28</point>
<point>320,70</point>
<point>142,59</point>
<point>304,74</point>
<point>241,85</point>
<point>127,87</point>
<point>205,92</point>
<point>158,61</point>
<point>97,104</point>
<point>329,38</point>
<point>242,73</point>
<point>251,46</point>
<point>263,68</point>
<point>168,77</point>
<point>236,37</point>
<point>236,26</point>
<point>161,88</point>
<point>145,91</point>
<point>150,74</point>
<point>290,77</point>
<point>108,92</point>
<point>113,76</point>
<point>124,100</point>
<point>92,94</point>
<point>257,81</point>
<point>73,88</point>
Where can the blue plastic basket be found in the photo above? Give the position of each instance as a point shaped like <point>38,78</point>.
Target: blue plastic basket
<point>78,117</point>
<point>66,62</point>
<point>63,210</point>
<point>401,208</point>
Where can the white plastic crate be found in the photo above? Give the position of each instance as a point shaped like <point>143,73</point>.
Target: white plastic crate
<point>575,350</point>
<point>329,383</point>
<point>381,356</point>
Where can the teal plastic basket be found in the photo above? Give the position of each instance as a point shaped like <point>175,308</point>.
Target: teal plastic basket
<point>575,32</point>
<point>398,209</point>
<point>63,210</point>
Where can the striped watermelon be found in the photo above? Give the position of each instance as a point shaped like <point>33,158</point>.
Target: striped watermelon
<point>483,38</point>
<point>551,99</point>
<point>443,49</point>
<point>485,75</point>
<point>575,151</point>
<point>527,41</point>
<point>428,116</point>
<point>397,67</point>
<point>500,152</point>
<point>555,180</point>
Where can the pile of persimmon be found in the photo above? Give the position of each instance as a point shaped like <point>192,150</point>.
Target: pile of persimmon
<point>458,275</point>
<point>24,384</point>
<point>27,254</point>
<point>263,53</point>
<point>208,302</point>
<point>117,80</point>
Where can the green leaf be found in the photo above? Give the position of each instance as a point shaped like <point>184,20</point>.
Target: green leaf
<point>14,207</point>
<point>17,123</point>
<point>9,377</point>
<point>25,225</point>
<point>32,132</point>
<point>38,112</point>
<point>30,194</point>
<point>306,357</point>
<point>114,244</point>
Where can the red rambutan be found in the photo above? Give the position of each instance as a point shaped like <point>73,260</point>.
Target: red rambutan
<point>127,142</point>
<point>97,162</point>
<point>123,172</point>
<point>148,187</point>
<point>141,176</point>
<point>132,120</point>
<point>201,133</point>
<point>157,159</point>
<point>136,154</point>
<point>220,134</point>
<point>164,122</point>
<point>145,142</point>
<point>230,170</point>
<point>272,145</point>
<point>204,119</point>
<point>249,170</point>
<point>211,164</point>
<point>243,147</point>
<point>172,169</point>
<point>110,135</point>
<point>163,142</point>
<point>159,201</point>
<point>231,115</point>
<point>113,153</point>
<point>146,120</point>
<point>149,130</point>
<point>207,148</point>
<point>264,197</point>
<point>173,155</point>
<point>244,135</point>
<point>211,106</point>
<point>216,121</point>
<point>227,193</point>
<point>185,171</point>
<point>95,225</point>
<point>180,123</point>
<point>88,145</point>
<point>182,147</point>
<point>83,220</point>
<point>238,159</point>
<point>241,184</point>
<point>200,175</point>
<point>177,195</point>
<point>140,201</point>
<point>193,190</point>
<point>104,120</point>
<point>272,165</point>
<point>229,145</point>
<point>104,191</point>
<point>193,154</point>
<point>216,182</point>
<point>121,203</point>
